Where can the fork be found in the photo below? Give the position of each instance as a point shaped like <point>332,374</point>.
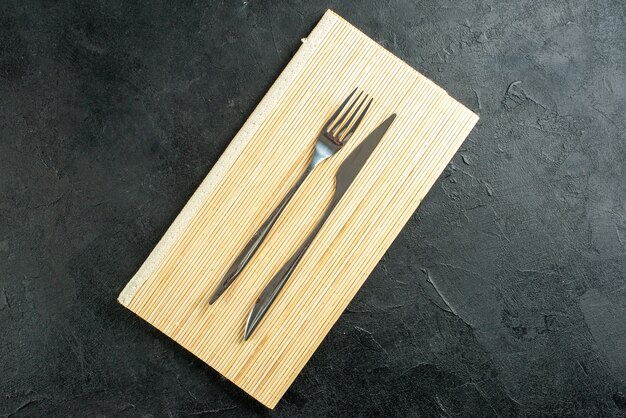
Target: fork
<point>334,135</point>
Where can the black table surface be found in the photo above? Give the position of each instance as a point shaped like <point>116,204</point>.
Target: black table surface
<point>505,294</point>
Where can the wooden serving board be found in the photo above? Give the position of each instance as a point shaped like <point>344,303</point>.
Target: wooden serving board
<point>172,287</point>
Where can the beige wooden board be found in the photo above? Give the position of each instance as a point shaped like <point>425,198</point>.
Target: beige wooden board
<point>172,287</point>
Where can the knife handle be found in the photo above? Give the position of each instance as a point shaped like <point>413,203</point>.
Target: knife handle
<point>290,265</point>
<point>271,290</point>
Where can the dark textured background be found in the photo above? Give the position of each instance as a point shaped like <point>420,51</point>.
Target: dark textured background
<point>505,295</point>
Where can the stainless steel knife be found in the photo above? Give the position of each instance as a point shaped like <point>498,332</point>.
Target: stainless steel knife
<point>346,174</point>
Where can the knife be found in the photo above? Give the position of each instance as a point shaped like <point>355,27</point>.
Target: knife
<point>345,176</point>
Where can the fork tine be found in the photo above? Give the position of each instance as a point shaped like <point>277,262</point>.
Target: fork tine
<point>338,111</point>
<point>347,124</point>
<point>348,111</point>
<point>356,123</point>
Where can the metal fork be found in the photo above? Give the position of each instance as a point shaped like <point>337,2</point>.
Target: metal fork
<point>334,135</point>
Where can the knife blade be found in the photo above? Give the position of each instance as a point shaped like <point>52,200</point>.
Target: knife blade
<point>344,177</point>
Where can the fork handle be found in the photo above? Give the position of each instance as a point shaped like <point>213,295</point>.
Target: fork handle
<point>248,251</point>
